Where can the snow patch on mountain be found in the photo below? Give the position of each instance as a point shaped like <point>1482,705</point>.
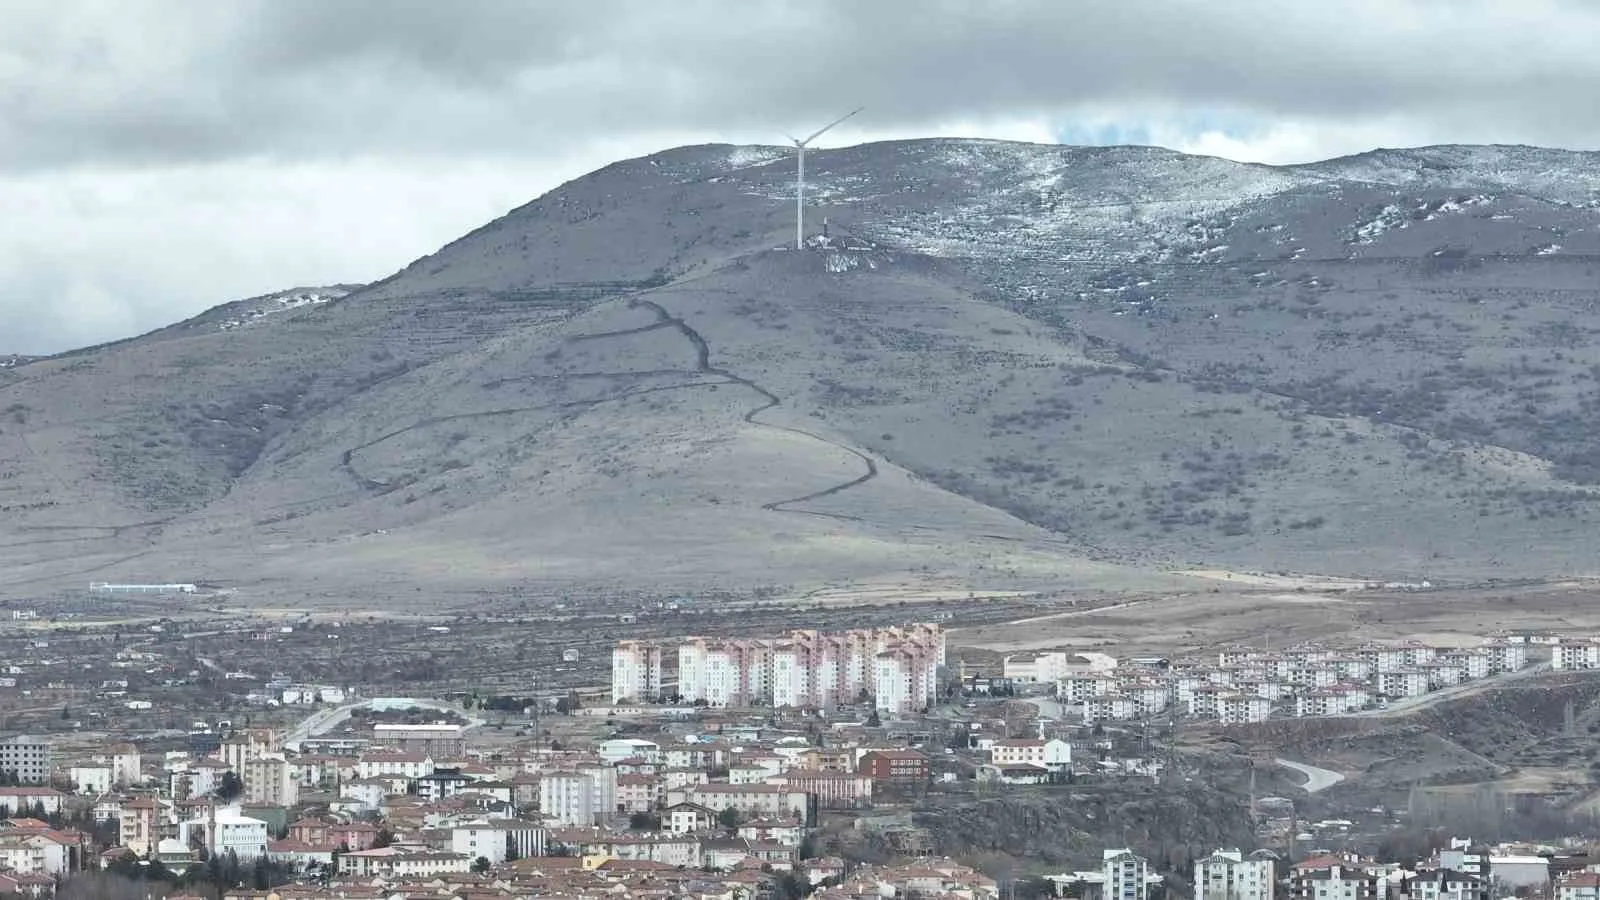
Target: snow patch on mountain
<point>251,312</point>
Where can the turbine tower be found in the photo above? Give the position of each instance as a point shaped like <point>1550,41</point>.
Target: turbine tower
<point>800,177</point>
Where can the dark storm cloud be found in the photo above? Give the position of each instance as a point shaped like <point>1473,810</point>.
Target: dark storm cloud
<point>306,78</point>
<point>159,157</point>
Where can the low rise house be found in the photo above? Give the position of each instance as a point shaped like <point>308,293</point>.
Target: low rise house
<point>1445,884</point>
<point>1579,886</point>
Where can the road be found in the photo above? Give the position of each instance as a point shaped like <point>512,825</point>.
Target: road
<point>1465,689</point>
<point>325,719</point>
<point>1316,779</point>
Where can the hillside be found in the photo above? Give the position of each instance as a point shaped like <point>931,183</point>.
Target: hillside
<point>1007,365</point>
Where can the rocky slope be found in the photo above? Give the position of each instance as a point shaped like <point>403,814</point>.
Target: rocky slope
<point>1005,365</point>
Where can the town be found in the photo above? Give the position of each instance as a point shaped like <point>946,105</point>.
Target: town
<point>781,764</point>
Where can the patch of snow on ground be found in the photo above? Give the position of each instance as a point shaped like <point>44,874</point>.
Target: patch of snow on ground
<point>750,156</point>
<point>279,303</point>
<point>1388,219</point>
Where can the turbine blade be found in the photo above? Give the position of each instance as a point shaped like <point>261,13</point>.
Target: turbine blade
<point>819,131</point>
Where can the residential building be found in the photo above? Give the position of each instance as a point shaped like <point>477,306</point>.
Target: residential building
<point>28,757</point>
<point>126,765</point>
<point>17,801</point>
<point>1112,707</point>
<point>812,670</point>
<point>1243,709</point>
<point>1445,884</point>
<point>438,740</point>
<point>894,766</point>
<point>393,762</point>
<point>1400,683</point>
<point>1335,882</point>
<point>1126,874</point>
<point>1508,656</point>
<point>270,781</point>
<point>1579,886</point>
<point>92,780</point>
<point>136,825</point>
<point>635,671</point>
<point>497,840</point>
<point>1232,875</point>
<point>566,798</point>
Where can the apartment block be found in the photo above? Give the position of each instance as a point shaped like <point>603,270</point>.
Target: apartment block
<point>635,671</point>
<point>28,756</point>
<point>897,666</point>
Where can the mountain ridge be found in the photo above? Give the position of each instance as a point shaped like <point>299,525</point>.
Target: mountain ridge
<point>1010,366</point>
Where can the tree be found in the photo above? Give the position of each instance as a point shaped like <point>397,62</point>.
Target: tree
<point>229,788</point>
<point>481,865</point>
<point>874,720</point>
<point>729,819</point>
<point>382,839</point>
<point>789,886</point>
<point>568,704</point>
<point>643,821</point>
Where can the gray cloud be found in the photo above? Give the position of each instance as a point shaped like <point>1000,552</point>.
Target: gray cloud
<point>371,93</point>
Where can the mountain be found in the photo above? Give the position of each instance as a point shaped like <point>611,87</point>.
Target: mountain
<point>1004,365</point>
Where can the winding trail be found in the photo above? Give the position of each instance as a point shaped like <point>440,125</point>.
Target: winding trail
<point>769,400</point>
<point>703,367</point>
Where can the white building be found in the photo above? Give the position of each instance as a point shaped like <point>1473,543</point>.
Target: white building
<point>1127,875</point>
<point>813,670</point>
<point>567,798</point>
<point>1243,709</point>
<point>1507,656</point>
<point>905,681</point>
<point>1575,654</point>
<point>635,671</point>
<point>1403,683</point>
<point>1077,689</point>
<point>388,762</point>
<point>226,830</point>
<point>1109,707</point>
<point>1231,875</point>
<point>602,789</point>
<point>496,839</point>
<point>1050,667</point>
<point>93,780</point>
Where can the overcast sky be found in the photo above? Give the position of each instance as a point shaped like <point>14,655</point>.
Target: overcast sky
<point>158,158</point>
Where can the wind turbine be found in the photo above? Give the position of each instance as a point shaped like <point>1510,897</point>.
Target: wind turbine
<point>800,177</point>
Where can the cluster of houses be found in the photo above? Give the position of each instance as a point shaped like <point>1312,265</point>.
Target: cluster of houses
<point>1246,685</point>
<point>419,802</point>
<point>1463,870</point>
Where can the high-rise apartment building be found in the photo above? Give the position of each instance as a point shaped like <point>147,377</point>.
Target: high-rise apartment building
<point>896,666</point>
<point>635,671</point>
